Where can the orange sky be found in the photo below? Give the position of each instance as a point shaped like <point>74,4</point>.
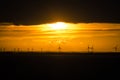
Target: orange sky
<point>74,37</point>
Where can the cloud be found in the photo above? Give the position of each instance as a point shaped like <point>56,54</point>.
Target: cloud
<point>12,36</point>
<point>74,29</point>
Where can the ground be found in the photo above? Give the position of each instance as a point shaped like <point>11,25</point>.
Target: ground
<point>59,66</point>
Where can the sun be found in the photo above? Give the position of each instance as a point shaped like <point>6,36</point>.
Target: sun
<point>58,26</point>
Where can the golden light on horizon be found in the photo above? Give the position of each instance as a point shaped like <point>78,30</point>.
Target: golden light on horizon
<point>58,26</point>
<point>70,36</point>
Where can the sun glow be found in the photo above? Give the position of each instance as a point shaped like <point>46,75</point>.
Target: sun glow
<point>58,26</point>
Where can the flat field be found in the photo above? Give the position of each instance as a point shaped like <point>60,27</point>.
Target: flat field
<point>59,66</point>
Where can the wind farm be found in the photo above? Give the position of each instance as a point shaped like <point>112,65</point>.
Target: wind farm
<point>68,52</point>
<point>59,39</point>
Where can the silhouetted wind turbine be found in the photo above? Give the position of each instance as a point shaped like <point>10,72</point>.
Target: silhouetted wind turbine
<point>3,49</point>
<point>116,48</point>
<point>59,48</point>
<point>18,49</point>
<point>32,49</point>
<point>90,48</point>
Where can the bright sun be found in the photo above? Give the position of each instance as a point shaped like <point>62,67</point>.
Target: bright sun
<point>58,26</point>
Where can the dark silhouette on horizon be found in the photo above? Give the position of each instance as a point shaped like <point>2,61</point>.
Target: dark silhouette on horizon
<point>90,48</point>
<point>116,48</point>
<point>59,49</point>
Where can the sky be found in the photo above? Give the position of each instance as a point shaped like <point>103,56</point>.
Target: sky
<point>26,24</point>
<point>43,11</point>
<point>74,37</point>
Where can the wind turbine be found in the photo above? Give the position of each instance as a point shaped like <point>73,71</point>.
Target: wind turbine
<point>115,48</point>
<point>18,49</point>
<point>3,49</point>
<point>59,48</point>
<point>32,49</point>
<point>60,42</point>
<point>90,48</point>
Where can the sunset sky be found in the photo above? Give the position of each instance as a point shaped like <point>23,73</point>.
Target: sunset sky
<point>70,24</point>
<point>70,37</point>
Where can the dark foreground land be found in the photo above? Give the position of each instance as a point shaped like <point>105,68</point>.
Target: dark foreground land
<point>59,66</point>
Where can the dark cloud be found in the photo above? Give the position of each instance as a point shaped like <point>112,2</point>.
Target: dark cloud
<point>44,11</point>
<point>101,30</point>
